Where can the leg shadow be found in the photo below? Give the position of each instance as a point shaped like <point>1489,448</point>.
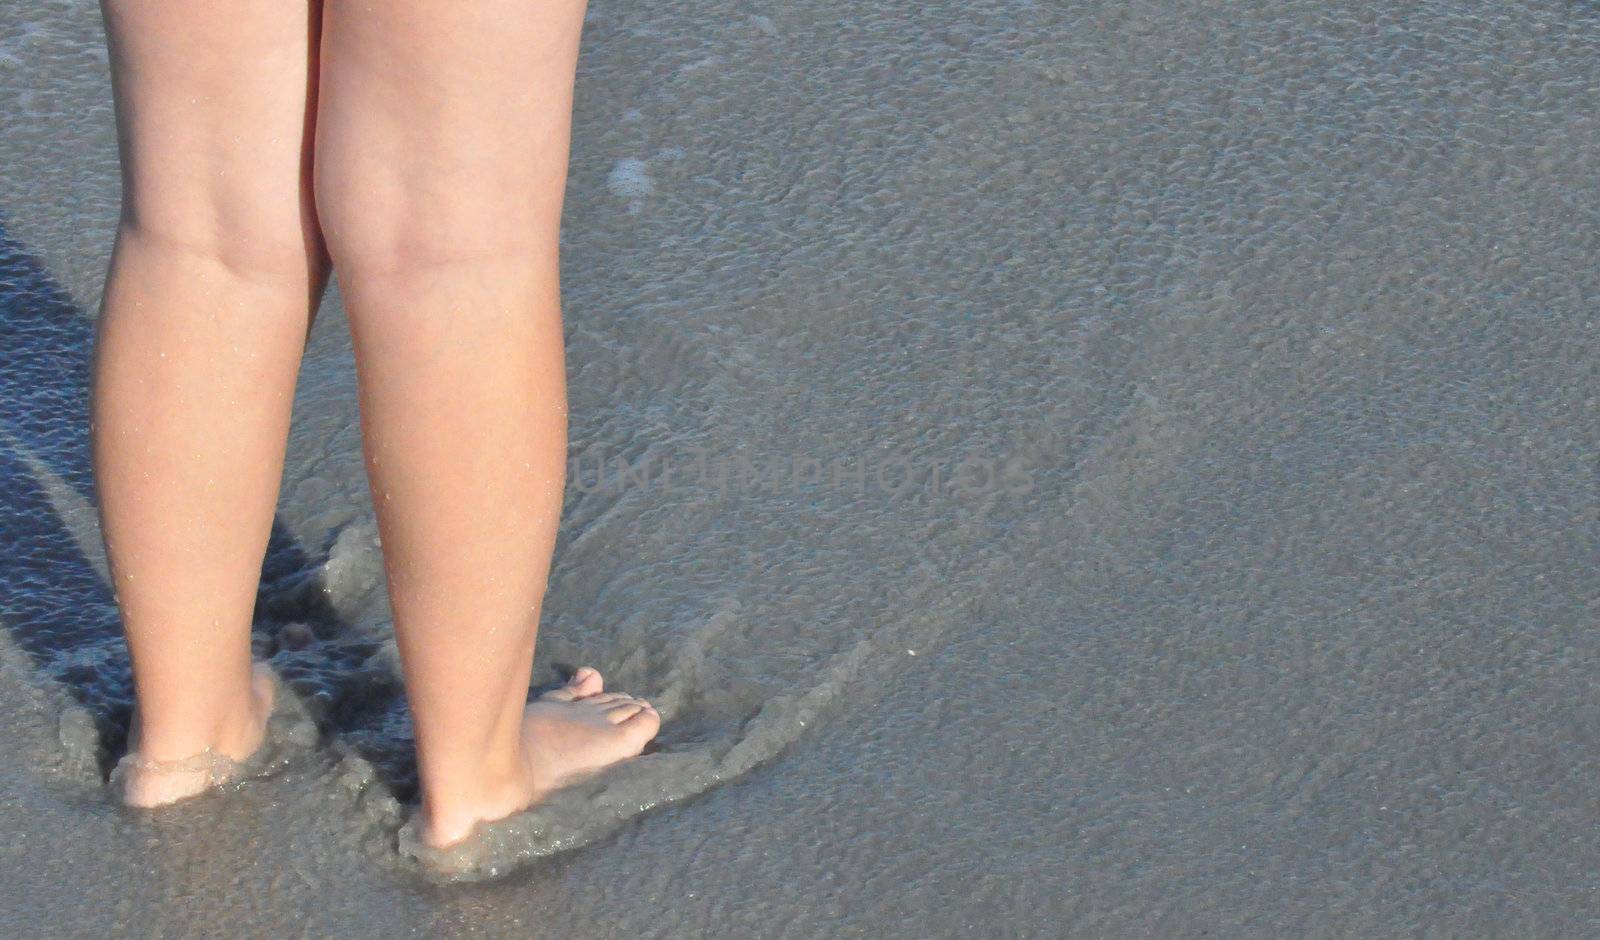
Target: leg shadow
<point>54,600</point>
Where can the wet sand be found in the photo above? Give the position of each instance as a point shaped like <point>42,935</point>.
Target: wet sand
<point>1175,500</point>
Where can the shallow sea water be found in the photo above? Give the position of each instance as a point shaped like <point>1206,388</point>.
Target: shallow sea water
<point>1161,497</point>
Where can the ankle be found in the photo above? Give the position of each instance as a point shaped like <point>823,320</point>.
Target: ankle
<point>452,808</point>
<point>231,728</point>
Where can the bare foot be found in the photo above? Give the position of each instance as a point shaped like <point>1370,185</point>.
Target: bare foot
<point>148,783</point>
<point>567,734</point>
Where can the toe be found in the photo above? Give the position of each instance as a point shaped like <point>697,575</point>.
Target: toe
<point>642,725</point>
<point>619,713</point>
<point>583,683</point>
<point>586,681</point>
<point>607,698</point>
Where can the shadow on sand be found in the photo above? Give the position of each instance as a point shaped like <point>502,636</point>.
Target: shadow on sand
<point>55,601</point>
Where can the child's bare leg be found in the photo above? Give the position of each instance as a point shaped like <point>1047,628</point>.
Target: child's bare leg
<point>211,288</point>
<point>440,165</point>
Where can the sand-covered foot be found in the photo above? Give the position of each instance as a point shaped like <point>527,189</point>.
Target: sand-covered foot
<point>146,782</point>
<point>567,734</point>
<point>576,730</point>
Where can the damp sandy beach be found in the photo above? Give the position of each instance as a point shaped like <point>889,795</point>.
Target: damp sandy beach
<point>1060,468</point>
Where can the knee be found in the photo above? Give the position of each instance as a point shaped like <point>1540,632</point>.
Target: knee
<point>254,233</point>
<point>379,222</point>
<point>379,238</point>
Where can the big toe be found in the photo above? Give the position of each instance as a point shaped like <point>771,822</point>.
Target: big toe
<point>586,681</point>
<point>583,683</point>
